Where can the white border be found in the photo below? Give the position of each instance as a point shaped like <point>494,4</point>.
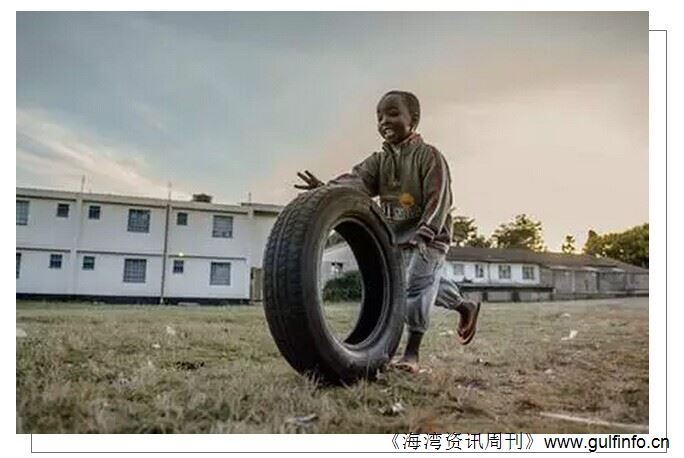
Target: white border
<point>657,299</point>
<point>662,16</point>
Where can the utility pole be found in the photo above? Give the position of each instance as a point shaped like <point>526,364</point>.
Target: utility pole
<point>73,252</point>
<point>166,243</point>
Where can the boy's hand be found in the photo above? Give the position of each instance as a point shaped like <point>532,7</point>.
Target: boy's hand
<point>310,179</point>
<point>420,243</point>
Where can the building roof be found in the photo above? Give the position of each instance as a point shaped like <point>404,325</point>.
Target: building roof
<point>146,201</point>
<point>263,208</point>
<point>547,259</point>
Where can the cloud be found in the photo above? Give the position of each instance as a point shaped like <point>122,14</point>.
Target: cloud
<point>544,113</point>
<point>53,154</point>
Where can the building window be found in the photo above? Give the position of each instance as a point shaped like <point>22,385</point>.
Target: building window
<point>528,272</point>
<point>182,219</point>
<point>178,266</point>
<point>22,212</point>
<point>88,262</point>
<point>504,271</point>
<point>94,212</point>
<point>138,220</point>
<point>55,261</point>
<point>479,271</point>
<point>134,270</point>
<point>18,264</point>
<point>223,226</point>
<point>458,269</point>
<point>336,268</point>
<point>220,273</point>
<point>62,210</point>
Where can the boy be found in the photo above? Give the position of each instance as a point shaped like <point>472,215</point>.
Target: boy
<point>413,182</point>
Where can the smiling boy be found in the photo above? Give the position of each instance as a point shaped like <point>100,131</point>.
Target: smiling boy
<point>414,185</point>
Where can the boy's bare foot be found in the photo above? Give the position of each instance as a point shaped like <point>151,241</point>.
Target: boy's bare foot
<point>467,326</point>
<point>407,364</point>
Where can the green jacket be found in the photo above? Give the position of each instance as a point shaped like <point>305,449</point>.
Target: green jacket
<point>414,186</point>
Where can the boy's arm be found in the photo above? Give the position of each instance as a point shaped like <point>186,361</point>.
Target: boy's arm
<point>437,191</point>
<point>364,176</point>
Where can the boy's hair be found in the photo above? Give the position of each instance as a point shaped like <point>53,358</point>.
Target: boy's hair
<point>410,100</point>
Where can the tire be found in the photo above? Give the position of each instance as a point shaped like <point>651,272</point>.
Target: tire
<point>292,301</point>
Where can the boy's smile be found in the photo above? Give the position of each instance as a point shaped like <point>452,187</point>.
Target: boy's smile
<point>394,119</point>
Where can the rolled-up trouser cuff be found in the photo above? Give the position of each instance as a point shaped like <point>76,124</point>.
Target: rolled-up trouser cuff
<point>422,283</point>
<point>425,287</point>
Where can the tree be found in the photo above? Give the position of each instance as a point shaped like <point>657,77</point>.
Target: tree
<point>568,246</point>
<point>479,241</point>
<point>630,246</point>
<point>594,244</point>
<point>464,233</point>
<point>523,232</point>
<point>462,229</point>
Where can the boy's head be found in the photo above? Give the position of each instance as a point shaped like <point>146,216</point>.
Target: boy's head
<point>398,115</point>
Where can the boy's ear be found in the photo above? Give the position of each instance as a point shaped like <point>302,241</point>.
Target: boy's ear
<point>414,122</point>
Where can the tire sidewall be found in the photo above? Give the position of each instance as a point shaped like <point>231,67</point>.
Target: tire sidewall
<point>364,359</point>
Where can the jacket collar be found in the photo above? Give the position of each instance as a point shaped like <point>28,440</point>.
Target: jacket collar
<point>414,138</point>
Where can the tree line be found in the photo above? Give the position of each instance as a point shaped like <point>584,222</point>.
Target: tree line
<point>524,232</point>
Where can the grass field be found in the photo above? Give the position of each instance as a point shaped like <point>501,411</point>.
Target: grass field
<point>140,369</point>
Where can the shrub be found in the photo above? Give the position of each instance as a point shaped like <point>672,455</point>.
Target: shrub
<point>346,287</point>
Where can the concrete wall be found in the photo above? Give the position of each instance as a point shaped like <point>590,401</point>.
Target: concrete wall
<point>106,279</point>
<point>578,284</point>
<point>612,281</point>
<point>586,282</point>
<point>196,238</point>
<point>44,228</point>
<point>110,232</point>
<point>563,281</point>
<point>196,278</point>
<point>638,282</point>
<point>546,277</point>
<point>36,276</point>
<point>499,296</point>
<point>533,296</point>
<point>260,229</point>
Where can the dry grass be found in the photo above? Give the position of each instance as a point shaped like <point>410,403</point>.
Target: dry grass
<point>140,369</point>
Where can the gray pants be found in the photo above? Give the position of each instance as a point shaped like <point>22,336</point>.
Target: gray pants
<point>425,286</point>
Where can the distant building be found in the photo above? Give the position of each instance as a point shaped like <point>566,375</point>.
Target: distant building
<point>493,274</point>
<point>82,245</point>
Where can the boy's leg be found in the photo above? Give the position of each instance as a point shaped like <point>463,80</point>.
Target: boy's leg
<point>422,283</point>
<point>449,296</point>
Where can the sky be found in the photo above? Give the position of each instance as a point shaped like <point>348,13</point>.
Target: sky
<point>537,113</point>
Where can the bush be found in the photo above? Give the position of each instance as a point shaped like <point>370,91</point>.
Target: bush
<point>346,287</point>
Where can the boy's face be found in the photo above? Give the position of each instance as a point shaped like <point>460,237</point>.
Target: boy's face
<point>394,119</point>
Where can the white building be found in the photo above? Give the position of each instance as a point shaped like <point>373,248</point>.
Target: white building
<point>107,246</point>
<point>494,274</point>
<point>338,259</point>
